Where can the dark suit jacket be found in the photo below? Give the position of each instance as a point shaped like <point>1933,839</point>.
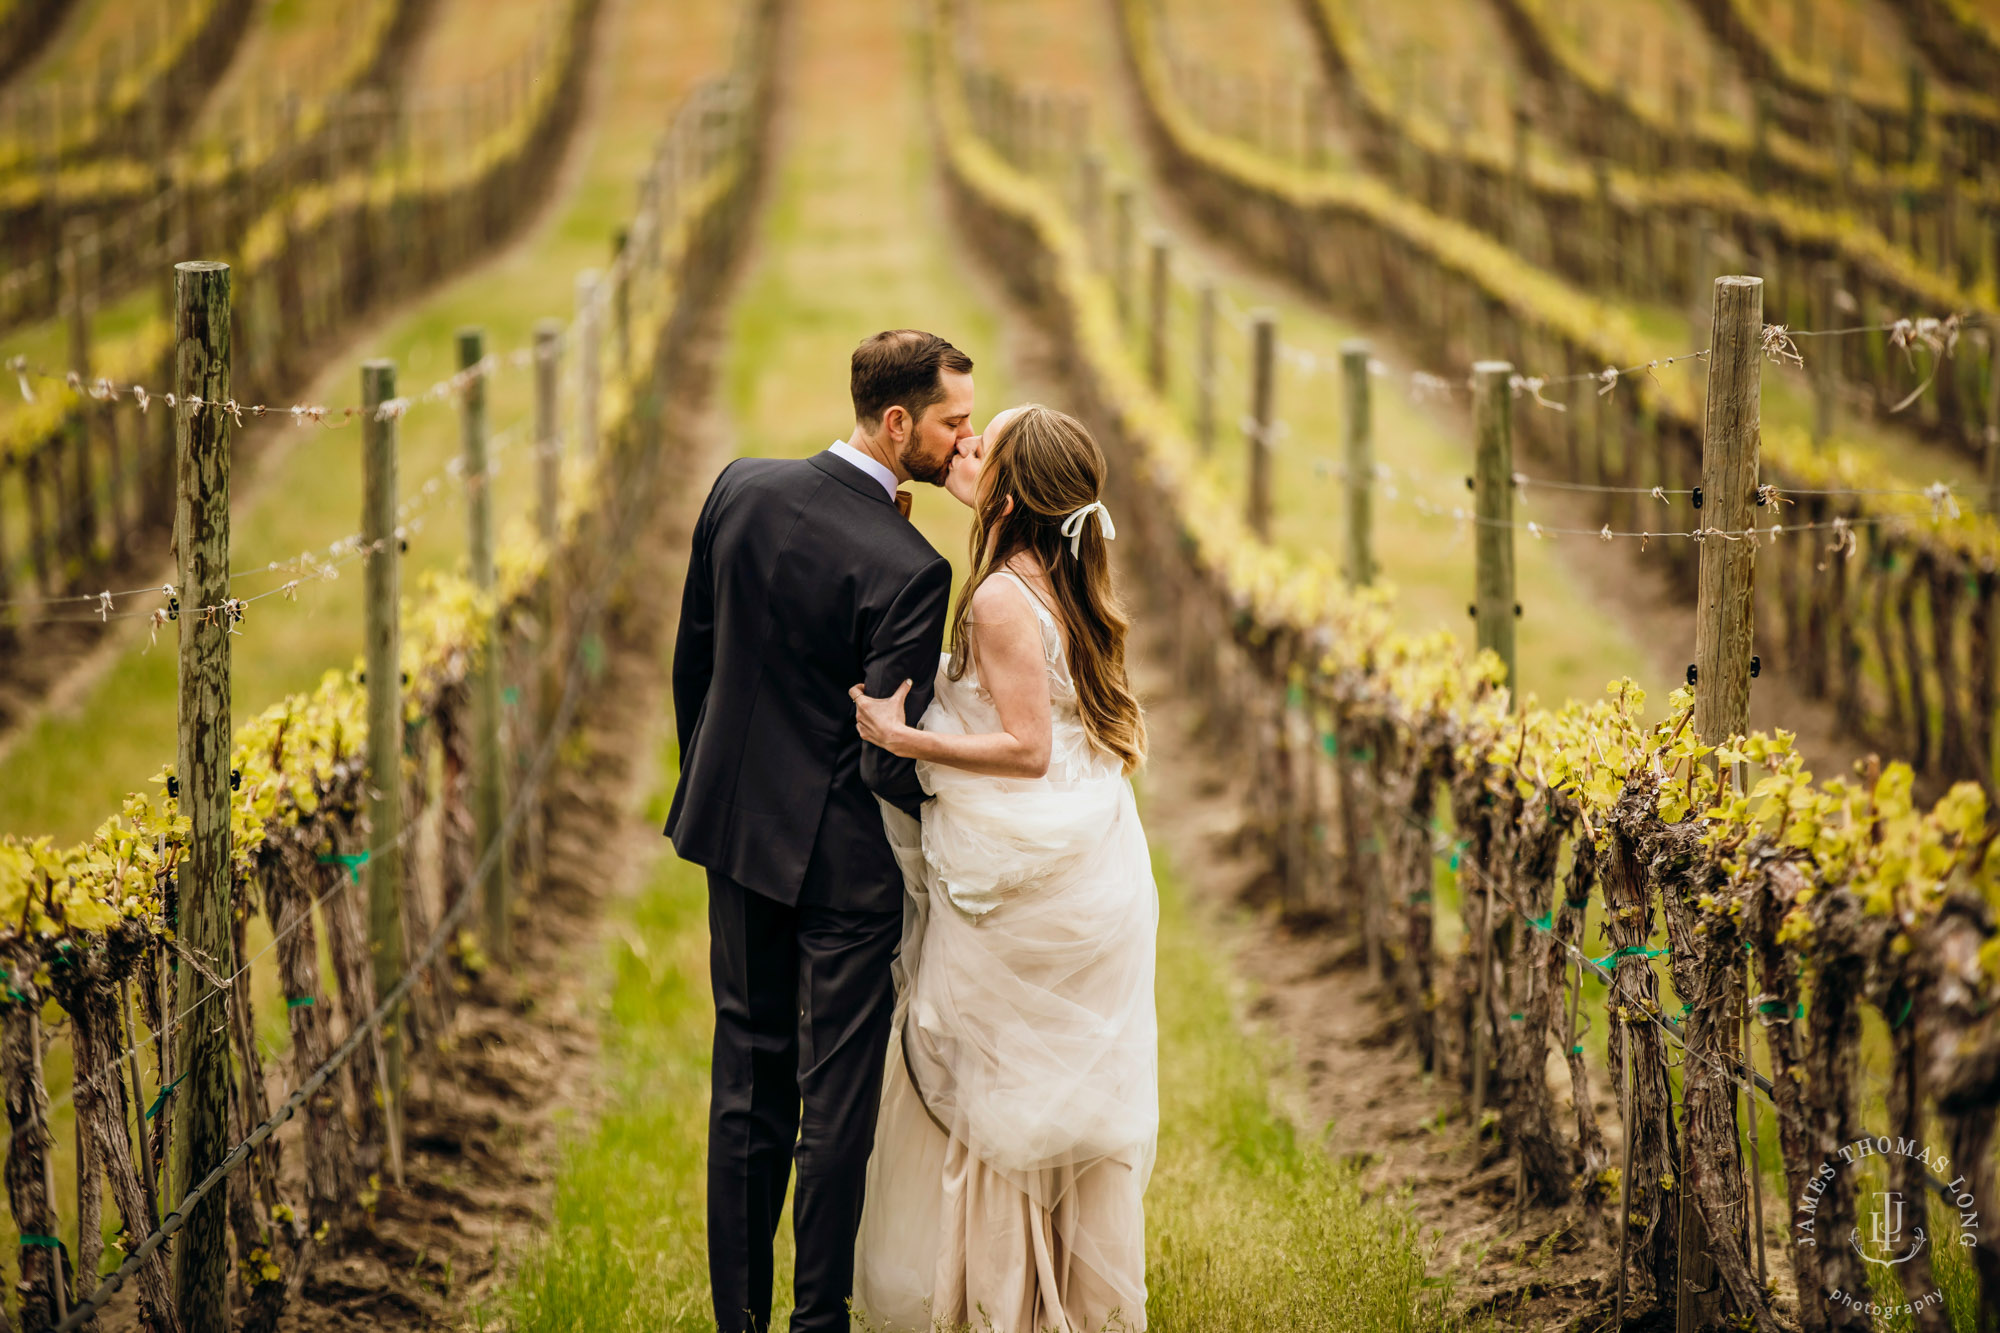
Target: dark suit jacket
<point>803,580</point>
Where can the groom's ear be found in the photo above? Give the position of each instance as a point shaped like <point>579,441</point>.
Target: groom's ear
<point>896,422</point>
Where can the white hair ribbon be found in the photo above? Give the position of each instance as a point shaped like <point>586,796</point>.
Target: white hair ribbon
<point>1072,527</point>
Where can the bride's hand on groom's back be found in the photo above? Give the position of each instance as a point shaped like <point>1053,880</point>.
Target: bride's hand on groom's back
<point>882,721</point>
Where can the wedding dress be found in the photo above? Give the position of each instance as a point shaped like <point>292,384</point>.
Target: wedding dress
<point>1020,1104</point>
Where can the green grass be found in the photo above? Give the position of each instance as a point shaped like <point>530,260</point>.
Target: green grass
<point>1250,1222</point>
<point>626,1247</point>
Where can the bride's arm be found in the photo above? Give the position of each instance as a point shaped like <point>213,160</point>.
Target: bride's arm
<point>1007,652</point>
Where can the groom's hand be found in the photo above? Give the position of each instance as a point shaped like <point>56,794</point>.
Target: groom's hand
<point>882,721</point>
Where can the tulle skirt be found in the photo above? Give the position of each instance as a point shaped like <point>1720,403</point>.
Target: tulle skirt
<point>1020,1104</point>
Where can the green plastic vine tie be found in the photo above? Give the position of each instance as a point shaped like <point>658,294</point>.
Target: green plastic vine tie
<point>161,1100</point>
<point>352,860</point>
<point>1629,951</point>
<point>511,695</point>
<point>1909,1003</point>
<point>1576,1049</point>
<point>1514,1018</point>
<point>1544,922</point>
<point>1420,896</point>
<point>1331,744</point>
<point>46,1242</point>
<point>299,1003</point>
<point>1774,1006</point>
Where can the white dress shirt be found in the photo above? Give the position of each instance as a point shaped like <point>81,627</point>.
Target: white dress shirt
<point>847,453</point>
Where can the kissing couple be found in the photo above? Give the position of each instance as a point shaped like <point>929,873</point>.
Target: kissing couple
<point>931,907</point>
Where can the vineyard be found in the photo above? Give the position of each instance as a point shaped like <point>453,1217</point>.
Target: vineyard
<point>366,364</point>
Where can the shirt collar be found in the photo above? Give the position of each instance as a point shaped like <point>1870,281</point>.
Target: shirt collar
<point>847,453</point>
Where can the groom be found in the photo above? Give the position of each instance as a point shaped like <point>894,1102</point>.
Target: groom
<point>805,577</point>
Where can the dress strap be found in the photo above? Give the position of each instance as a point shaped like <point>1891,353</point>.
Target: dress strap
<point>1042,612</point>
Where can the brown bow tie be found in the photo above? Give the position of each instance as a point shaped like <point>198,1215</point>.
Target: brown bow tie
<point>903,503</point>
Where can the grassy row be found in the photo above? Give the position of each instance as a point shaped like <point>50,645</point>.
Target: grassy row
<point>1250,1223</point>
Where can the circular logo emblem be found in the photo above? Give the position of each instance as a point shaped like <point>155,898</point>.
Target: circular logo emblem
<point>1894,1227</point>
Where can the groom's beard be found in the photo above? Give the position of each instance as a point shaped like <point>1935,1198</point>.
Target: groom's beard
<point>926,469</point>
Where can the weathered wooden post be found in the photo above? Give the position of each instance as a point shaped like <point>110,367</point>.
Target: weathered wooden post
<point>586,364</point>
<point>1723,626</point>
<point>1826,363</point>
<point>1124,206</point>
<point>1359,456</point>
<point>1493,507</point>
<point>1159,272</point>
<point>1993,420</point>
<point>1090,204</point>
<point>1263,392</point>
<point>1760,137</point>
<point>1517,202</point>
<point>201,538</point>
<point>1701,270</point>
<point>1919,111</point>
<point>1204,369</point>
<point>1843,132</point>
<point>1494,612</point>
<point>77,261</point>
<point>548,526</point>
<point>487,799</point>
<point>1603,224</point>
<point>381,546</point>
<point>620,274</point>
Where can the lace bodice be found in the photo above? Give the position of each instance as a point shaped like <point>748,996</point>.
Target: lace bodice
<point>1072,758</point>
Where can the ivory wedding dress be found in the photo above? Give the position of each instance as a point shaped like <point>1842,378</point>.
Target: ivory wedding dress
<point>1020,1106</point>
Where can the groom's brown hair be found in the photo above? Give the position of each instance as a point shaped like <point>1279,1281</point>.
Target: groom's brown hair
<point>901,368</point>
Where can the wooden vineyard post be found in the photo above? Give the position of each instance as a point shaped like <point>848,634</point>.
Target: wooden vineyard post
<point>548,526</point>
<point>1263,392</point>
<point>586,364</point>
<point>1826,366</point>
<point>1723,623</point>
<point>1993,417</point>
<point>1729,485</point>
<point>381,544</point>
<point>1090,204</point>
<point>201,538</point>
<point>1919,112</point>
<point>620,274</point>
<point>76,261</point>
<point>1159,274</point>
<point>1359,456</point>
<point>487,800</point>
<point>1701,271</point>
<point>1493,606</point>
<point>1124,205</point>
<point>1204,369</point>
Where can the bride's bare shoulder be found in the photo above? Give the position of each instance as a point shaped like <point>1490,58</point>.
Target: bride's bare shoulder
<point>999,599</point>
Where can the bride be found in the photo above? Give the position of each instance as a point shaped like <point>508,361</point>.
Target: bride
<point>1020,1103</point>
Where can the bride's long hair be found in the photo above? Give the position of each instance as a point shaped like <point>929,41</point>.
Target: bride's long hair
<point>1052,468</point>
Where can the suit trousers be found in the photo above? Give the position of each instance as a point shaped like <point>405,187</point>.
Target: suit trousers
<point>803,1001</point>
